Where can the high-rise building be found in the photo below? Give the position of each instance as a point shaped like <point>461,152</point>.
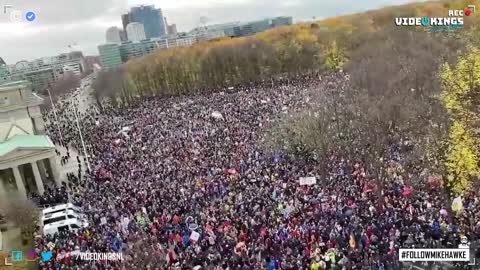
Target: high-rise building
<point>253,27</point>
<point>113,35</point>
<point>123,35</point>
<point>41,78</point>
<point>90,61</point>
<point>135,32</point>
<point>237,29</point>
<point>151,18</point>
<point>125,21</point>
<point>110,55</point>
<point>281,21</point>
<point>172,29</point>
<point>175,42</point>
<point>4,72</point>
<point>73,68</point>
<point>130,50</point>
<point>40,72</point>
<point>226,28</point>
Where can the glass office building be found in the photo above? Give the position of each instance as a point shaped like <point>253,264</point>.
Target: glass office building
<point>151,18</point>
<point>110,55</point>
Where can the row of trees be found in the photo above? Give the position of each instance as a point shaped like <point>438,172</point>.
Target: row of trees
<point>64,85</point>
<point>22,214</point>
<point>112,85</point>
<point>227,62</point>
<point>280,52</point>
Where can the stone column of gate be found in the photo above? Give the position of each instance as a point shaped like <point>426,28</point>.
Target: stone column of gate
<point>38,178</point>
<point>19,182</point>
<point>55,173</point>
<point>3,192</point>
<point>42,169</point>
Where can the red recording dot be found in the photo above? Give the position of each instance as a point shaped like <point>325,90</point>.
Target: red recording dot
<point>468,12</point>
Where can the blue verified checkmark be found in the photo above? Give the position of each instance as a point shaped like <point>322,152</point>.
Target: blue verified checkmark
<point>30,16</point>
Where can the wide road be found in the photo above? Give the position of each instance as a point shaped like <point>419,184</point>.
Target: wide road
<point>83,100</point>
<point>83,96</point>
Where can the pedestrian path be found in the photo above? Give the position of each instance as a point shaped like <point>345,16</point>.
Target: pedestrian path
<point>72,165</point>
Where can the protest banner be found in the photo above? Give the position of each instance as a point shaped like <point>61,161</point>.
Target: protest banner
<point>308,181</point>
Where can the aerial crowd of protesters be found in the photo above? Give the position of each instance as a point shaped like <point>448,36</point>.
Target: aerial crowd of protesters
<point>186,183</point>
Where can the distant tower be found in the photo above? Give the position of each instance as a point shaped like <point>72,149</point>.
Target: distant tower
<point>4,73</point>
<point>135,31</point>
<point>125,21</point>
<point>171,28</point>
<point>203,24</point>
<point>151,18</point>
<point>203,21</point>
<point>123,35</point>
<point>113,35</point>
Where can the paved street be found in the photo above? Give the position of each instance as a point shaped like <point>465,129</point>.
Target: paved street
<point>83,99</point>
<point>71,166</point>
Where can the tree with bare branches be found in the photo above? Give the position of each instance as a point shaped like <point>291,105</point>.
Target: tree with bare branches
<point>112,85</point>
<point>22,213</point>
<point>380,106</point>
<point>65,84</point>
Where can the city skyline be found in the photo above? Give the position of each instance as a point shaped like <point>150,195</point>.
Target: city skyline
<point>84,23</point>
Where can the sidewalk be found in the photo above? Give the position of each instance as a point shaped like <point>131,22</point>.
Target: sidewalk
<point>72,165</point>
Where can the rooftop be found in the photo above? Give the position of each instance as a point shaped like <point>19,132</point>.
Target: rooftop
<point>10,85</point>
<point>25,142</point>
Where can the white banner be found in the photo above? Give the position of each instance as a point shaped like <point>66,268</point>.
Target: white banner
<point>194,236</point>
<point>217,115</point>
<point>308,181</point>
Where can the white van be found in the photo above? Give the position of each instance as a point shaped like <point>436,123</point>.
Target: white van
<point>60,208</point>
<point>64,217</point>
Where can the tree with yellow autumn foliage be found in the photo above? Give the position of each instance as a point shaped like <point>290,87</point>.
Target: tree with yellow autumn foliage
<point>334,57</point>
<point>461,89</point>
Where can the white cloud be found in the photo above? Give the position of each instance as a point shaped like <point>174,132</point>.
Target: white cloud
<point>63,22</point>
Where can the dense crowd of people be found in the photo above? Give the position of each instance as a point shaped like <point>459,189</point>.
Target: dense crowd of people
<point>187,183</point>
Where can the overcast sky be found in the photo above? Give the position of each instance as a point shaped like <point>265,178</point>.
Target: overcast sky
<point>60,23</point>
